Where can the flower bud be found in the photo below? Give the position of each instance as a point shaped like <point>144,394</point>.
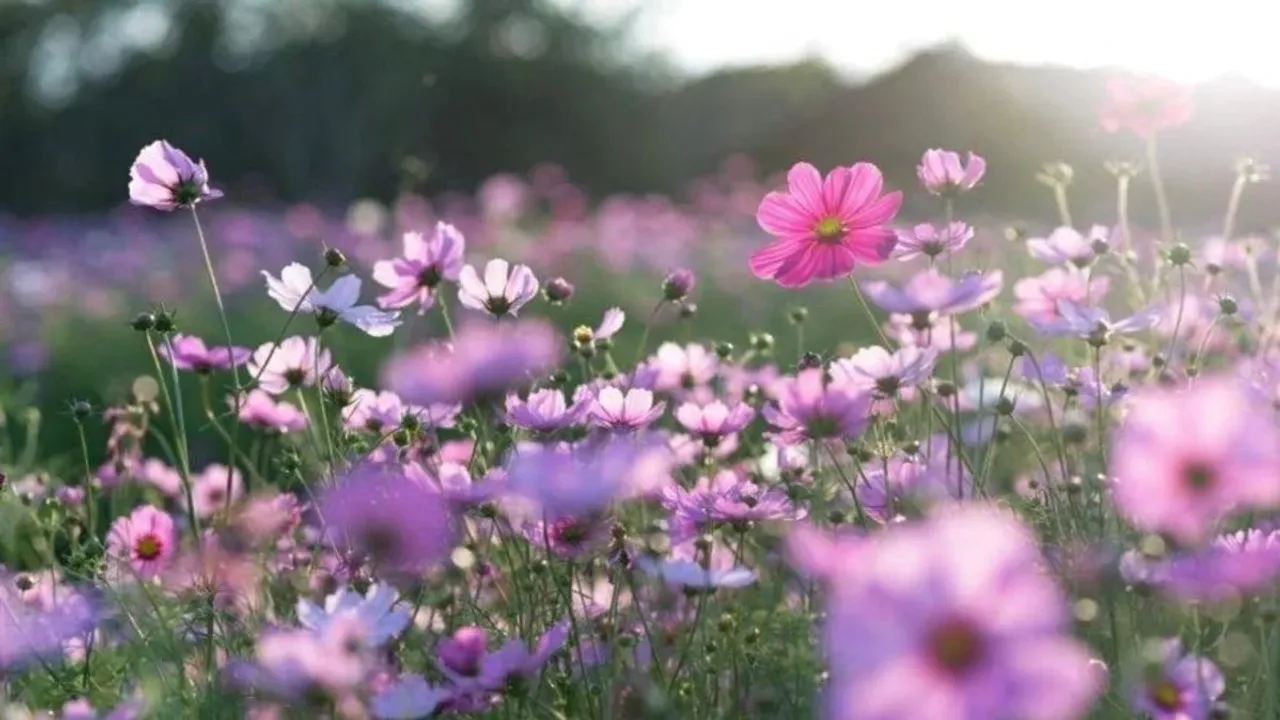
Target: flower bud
<point>81,410</point>
<point>334,258</point>
<point>798,315</point>
<point>761,342</point>
<point>678,284</point>
<point>688,310</point>
<point>557,290</point>
<point>997,331</point>
<point>809,360</point>
<point>1227,305</point>
<point>143,322</point>
<point>1180,255</point>
<point>164,321</point>
<point>1005,405</point>
<point>724,350</point>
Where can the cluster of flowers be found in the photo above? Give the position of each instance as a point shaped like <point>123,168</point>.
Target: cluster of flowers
<point>974,525</point>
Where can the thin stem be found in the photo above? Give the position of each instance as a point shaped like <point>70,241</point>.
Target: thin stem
<point>1162,200</point>
<point>644,334</point>
<point>866,308</point>
<point>1177,323</point>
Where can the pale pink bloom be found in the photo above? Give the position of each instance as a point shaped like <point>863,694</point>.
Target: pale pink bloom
<point>164,178</point>
<point>635,409</point>
<point>941,172</point>
<point>824,227</point>
<point>425,264</point>
<point>1066,246</point>
<point>714,420</point>
<point>682,368</point>
<point>209,489</point>
<point>296,292</point>
<point>1036,298</point>
<point>259,409</point>
<point>141,544</point>
<point>161,475</point>
<point>296,362</point>
<point>932,241</point>
<point>504,291</point>
<point>929,330</point>
<point>610,324</point>
<point>876,369</point>
<point>1145,106</point>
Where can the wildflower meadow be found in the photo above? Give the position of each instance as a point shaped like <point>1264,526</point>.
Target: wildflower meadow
<point>774,452</point>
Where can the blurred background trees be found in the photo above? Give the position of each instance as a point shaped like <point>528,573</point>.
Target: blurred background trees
<point>330,100</point>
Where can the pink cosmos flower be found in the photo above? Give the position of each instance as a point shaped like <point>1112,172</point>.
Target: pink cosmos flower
<point>546,411</point>
<point>952,617</point>
<point>485,359</point>
<point>190,353</point>
<point>876,369</point>
<point>1066,246</point>
<point>504,291</point>
<point>824,227</point>
<point>1180,687</point>
<point>931,291</point>
<point>942,173</point>
<point>1145,106</point>
<point>929,330</point>
<point>40,630</point>
<point>164,178</point>
<point>296,362</point>
<point>682,368</point>
<point>1094,323</point>
<point>467,661</point>
<point>618,411</point>
<point>1036,298</point>
<point>259,409</point>
<point>1184,459</point>
<point>376,411</point>
<point>425,264</point>
<point>714,420</point>
<point>610,324</point>
<point>141,544</point>
<point>563,483</point>
<point>930,241</point>
<point>808,408</point>
<point>209,489</point>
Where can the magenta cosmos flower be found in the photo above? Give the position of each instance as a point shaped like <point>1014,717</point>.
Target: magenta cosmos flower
<point>427,261</point>
<point>953,617</point>
<point>825,226</point>
<point>164,178</point>
<point>941,172</point>
<point>1184,459</point>
<point>1145,106</point>
<point>485,359</point>
<point>142,544</point>
<point>190,353</point>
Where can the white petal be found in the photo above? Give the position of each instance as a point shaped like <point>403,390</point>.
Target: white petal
<point>342,295</point>
<point>372,320</point>
<point>284,294</point>
<point>471,291</point>
<point>495,277</point>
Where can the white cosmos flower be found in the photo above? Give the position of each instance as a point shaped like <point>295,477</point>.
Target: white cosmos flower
<point>374,610</point>
<point>503,291</point>
<point>690,574</point>
<point>295,289</point>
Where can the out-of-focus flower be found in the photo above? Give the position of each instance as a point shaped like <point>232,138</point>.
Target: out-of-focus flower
<point>296,362</point>
<point>141,544</point>
<point>466,660</point>
<point>379,514</point>
<point>560,483</point>
<point>30,631</point>
<point>1094,323</point>
<point>692,575</point>
<point>952,617</point>
<point>878,370</point>
<point>190,353</point>
<point>808,408</point>
<point>1066,246</point>
<point>824,227</point>
<point>930,291</point>
<point>296,291</point>
<point>164,178</point>
<point>941,172</point>
<point>610,324</point>
<point>261,410</point>
<point>1145,106</point>
<point>929,330</point>
<point>485,359</point>
<point>1178,686</point>
<point>410,697</point>
<point>216,487</point>
<point>376,609</point>
<point>504,291</point>
<point>546,411</point>
<point>714,420</point>
<point>1183,459</point>
<point>678,368</point>
<point>1036,298</point>
<point>932,241</point>
<point>425,264</point>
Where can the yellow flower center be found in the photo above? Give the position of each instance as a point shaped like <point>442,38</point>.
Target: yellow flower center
<point>148,547</point>
<point>829,228</point>
<point>1166,696</point>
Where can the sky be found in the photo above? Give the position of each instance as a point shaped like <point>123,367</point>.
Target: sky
<point>1185,40</point>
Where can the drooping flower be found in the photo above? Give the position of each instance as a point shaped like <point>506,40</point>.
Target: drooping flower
<point>824,227</point>
<point>485,359</point>
<point>376,609</point>
<point>941,172</point>
<point>1179,686</point>
<point>932,241</point>
<point>808,408</point>
<point>930,291</point>
<point>141,544</point>
<point>381,515</point>
<point>504,291</point>
<point>296,291</point>
<point>1183,459</point>
<point>190,353</point>
<point>426,262</point>
<point>953,617</point>
<point>1145,106</point>
<point>165,178</point>
<point>296,362</point>
<point>615,410</point>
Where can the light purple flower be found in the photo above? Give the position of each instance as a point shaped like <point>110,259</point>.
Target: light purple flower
<point>876,369</point>
<point>30,632</point>
<point>682,368</point>
<point>714,420</point>
<point>375,609</point>
<point>807,408</point>
<point>296,362</point>
<point>693,576</point>
<point>504,291</point>
<point>410,697</point>
<point>381,411</point>
<point>930,291</point>
<point>1179,687</point>
<point>425,264</point>
<point>941,172</point>
<point>190,353</point>
<point>259,409</point>
<point>929,330</point>
<point>466,660</point>
<point>952,617</point>
<point>621,412</point>
<point>545,411</point>
<point>209,489</point>
<point>1094,323</point>
<point>727,497</point>
<point>931,241</point>
<point>576,483</point>
<point>164,178</point>
<point>485,359</point>
<point>296,291</point>
<point>1066,246</point>
<point>610,324</point>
